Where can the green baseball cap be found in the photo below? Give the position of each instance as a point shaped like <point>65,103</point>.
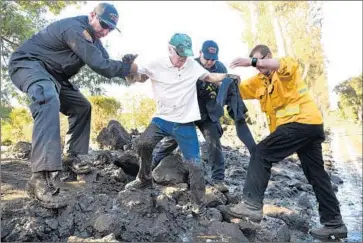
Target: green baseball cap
<point>182,44</point>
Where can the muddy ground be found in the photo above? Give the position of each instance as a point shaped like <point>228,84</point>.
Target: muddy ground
<point>99,209</point>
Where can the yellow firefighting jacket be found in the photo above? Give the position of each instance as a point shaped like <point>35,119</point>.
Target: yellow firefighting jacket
<point>284,96</point>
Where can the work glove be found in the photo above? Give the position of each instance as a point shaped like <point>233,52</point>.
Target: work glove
<point>129,58</point>
<point>235,78</point>
<point>212,91</point>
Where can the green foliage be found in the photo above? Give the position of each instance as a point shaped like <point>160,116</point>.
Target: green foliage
<point>103,110</point>
<point>350,98</point>
<point>19,20</point>
<point>139,114</point>
<point>17,127</point>
<point>283,26</point>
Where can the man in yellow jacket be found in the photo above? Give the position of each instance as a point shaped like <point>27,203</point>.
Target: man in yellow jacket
<point>296,125</point>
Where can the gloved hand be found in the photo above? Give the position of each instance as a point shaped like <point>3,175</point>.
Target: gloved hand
<point>236,78</point>
<point>212,91</point>
<point>129,58</point>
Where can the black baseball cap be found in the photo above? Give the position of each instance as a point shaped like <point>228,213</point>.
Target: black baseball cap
<point>108,14</point>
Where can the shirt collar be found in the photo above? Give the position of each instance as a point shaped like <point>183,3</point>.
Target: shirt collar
<point>170,65</point>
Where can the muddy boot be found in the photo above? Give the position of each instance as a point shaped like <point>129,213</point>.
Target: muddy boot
<point>200,210</point>
<point>330,232</point>
<point>197,187</point>
<point>138,184</point>
<point>41,188</point>
<point>73,163</point>
<point>64,176</point>
<point>220,186</point>
<point>246,210</point>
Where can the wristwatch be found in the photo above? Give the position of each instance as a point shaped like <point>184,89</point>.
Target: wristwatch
<point>254,62</point>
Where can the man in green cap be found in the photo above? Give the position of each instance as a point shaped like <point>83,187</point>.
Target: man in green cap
<point>174,81</point>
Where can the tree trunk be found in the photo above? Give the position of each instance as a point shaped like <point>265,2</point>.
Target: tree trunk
<point>254,16</point>
<point>277,31</point>
<point>306,70</point>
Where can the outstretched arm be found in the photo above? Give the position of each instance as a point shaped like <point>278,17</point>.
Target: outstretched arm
<point>219,77</point>
<point>273,64</point>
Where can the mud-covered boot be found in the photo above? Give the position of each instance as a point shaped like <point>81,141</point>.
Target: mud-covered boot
<point>41,188</point>
<point>246,210</point>
<point>197,188</point>
<point>220,186</point>
<point>64,176</point>
<point>330,232</point>
<point>73,163</point>
<point>138,184</point>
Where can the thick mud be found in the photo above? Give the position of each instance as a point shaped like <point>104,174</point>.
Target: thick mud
<point>100,209</point>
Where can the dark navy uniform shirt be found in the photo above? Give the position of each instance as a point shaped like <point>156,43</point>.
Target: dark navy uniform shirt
<point>209,109</point>
<point>64,47</point>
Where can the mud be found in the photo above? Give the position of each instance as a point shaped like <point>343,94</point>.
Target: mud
<point>100,210</point>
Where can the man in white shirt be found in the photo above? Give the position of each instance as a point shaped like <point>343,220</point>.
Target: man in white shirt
<point>174,81</point>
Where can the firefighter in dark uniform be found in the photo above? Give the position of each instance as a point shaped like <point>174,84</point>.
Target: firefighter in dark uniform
<point>41,67</point>
<point>211,111</point>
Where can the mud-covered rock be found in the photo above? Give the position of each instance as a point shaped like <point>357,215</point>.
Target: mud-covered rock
<point>107,238</point>
<point>105,224</point>
<point>113,137</point>
<point>103,158</point>
<point>21,150</point>
<point>225,232</point>
<point>291,217</point>
<point>273,230</point>
<point>213,197</point>
<point>304,200</point>
<point>336,179</point>
<point>129,161</point>
<point>171,171</point>
<point>214,214</point>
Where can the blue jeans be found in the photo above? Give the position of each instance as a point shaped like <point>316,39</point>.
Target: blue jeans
<point>186,137</point>
<point>212,132</point>
<point>184,133</point>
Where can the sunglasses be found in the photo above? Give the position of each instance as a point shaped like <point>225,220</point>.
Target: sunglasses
<point>104,25</point>
<point>209,59</point>
<point>180,56</point>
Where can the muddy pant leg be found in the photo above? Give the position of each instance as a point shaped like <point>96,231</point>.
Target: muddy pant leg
<point>212,132</point>
<point>186,137</point>
<point>163,149</point>
<point>145,146</point>
<point>313,165</point>
<point>244,134</point>
<point>78,109</point>
<point>46,143</point>
<point>280,144</point>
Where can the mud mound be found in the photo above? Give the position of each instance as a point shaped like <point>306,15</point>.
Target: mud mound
<point>101,210</point>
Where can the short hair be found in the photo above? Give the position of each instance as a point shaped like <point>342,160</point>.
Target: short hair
<point>263,49</point>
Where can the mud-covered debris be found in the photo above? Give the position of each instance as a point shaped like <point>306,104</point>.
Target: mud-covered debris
<point>213,197</point>
<point>273,230</point>
<point>171,171</point>
<point>113,137</point>
<point>21,150</point>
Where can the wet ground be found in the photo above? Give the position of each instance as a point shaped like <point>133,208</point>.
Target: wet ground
<point>101,210</point>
